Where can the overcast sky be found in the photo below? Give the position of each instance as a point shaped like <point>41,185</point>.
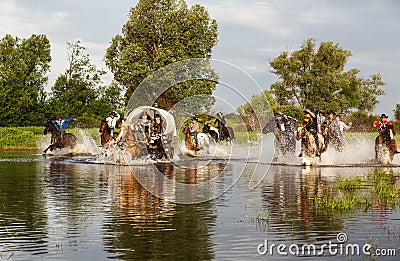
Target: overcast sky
<point>251,32</point>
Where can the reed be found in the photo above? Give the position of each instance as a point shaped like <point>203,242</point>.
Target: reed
<point>360,193</point>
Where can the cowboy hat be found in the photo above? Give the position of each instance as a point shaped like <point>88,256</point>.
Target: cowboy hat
<point>384,116</point>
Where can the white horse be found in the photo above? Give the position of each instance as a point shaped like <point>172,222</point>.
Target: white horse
<point>203,142</point>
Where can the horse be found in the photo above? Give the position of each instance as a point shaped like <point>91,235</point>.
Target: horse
<point>68,142</point>
<point>227,134</point>
<point>385,146</point>
<point>309,148</point>
<point>105,131</point>
<point>212,131</point>
<point>203,141</point>
<point>285,142</point>
<point>130,143</point>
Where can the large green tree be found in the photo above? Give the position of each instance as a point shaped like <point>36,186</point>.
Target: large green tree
<point>78,91</point>
<point>315,78</point>
<point>24,64</point>
<point>369,92</point>
<point>158,33</point>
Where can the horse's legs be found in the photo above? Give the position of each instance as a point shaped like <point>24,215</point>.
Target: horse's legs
<point>377,142</point>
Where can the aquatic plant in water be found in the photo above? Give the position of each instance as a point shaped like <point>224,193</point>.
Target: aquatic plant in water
<point>377,189</point>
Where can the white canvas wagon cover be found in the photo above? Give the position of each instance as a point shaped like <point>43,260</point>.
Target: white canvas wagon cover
<point>170,128</point>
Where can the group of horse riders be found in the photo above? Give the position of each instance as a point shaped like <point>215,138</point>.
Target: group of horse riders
<point>220,123</point>
<point>329,126</point>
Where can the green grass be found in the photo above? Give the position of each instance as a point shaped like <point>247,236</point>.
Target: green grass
<point>378,188</point>
<point>26,138</point>
<point>20,137</point>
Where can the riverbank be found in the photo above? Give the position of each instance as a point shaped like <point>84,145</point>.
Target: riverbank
<point>28,138</point>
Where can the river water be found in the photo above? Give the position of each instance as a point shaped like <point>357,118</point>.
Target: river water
<point>60,208</point>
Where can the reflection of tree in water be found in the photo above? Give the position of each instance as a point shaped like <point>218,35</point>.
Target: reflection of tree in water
<point>22,209</point>
<point>289,200</point>
<point>144,227</point>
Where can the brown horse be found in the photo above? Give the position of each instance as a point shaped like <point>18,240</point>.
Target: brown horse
<point>68,142</point>
<point>129,142</point>
<point>106,133</point>
<point>203,141</point>
<point>308,146</point>
<point>385,145</point>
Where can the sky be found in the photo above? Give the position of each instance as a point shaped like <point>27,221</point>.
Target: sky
<point>251,33</point>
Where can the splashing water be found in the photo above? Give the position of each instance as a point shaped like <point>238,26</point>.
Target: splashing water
<point>357,151</point>
<point>86,145</point>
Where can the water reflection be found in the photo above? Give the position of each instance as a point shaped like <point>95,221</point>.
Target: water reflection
<point>69,210</point>
<point>23,223</point>
<point>140,226</point>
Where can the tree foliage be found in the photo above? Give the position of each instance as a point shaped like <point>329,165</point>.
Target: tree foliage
<point>397,112</point>
<point>78,92</point>
<point>315,79</point>
<point>24,64</point>
<point>369,92</point>
<point>160,32</point>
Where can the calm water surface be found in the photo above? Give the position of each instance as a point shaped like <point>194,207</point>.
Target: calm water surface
<point>68,209</point>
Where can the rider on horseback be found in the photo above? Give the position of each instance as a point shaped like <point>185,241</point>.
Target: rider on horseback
<point>112,122</point>
<point>220,120</point>
<point>145,122</point>
<point>61,124</point>
<point>382,125</point>
<point>310,123</point>
<point>280,122</point>
<point>194,130</point>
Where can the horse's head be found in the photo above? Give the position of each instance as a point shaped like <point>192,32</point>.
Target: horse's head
<point>103,126</point>
<point>185,129</point>
<point>49,127</point>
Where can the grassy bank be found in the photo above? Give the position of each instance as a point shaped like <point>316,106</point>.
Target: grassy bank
<point>20,137</point>
<point>26,138</point>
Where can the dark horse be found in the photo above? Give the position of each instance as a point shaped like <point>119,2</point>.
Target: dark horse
<point>212,131</point>
<point>69,139</point>
<point>105,131</point>
<point>285,142</point>
<point>227,133</point>
<point>385,145</point>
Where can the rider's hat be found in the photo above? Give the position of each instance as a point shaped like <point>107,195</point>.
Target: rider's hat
<point>308,111</point>
<point>332,112</point>
<point>384,116</point>
<point>157,116</point>
<point>278,114</point>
